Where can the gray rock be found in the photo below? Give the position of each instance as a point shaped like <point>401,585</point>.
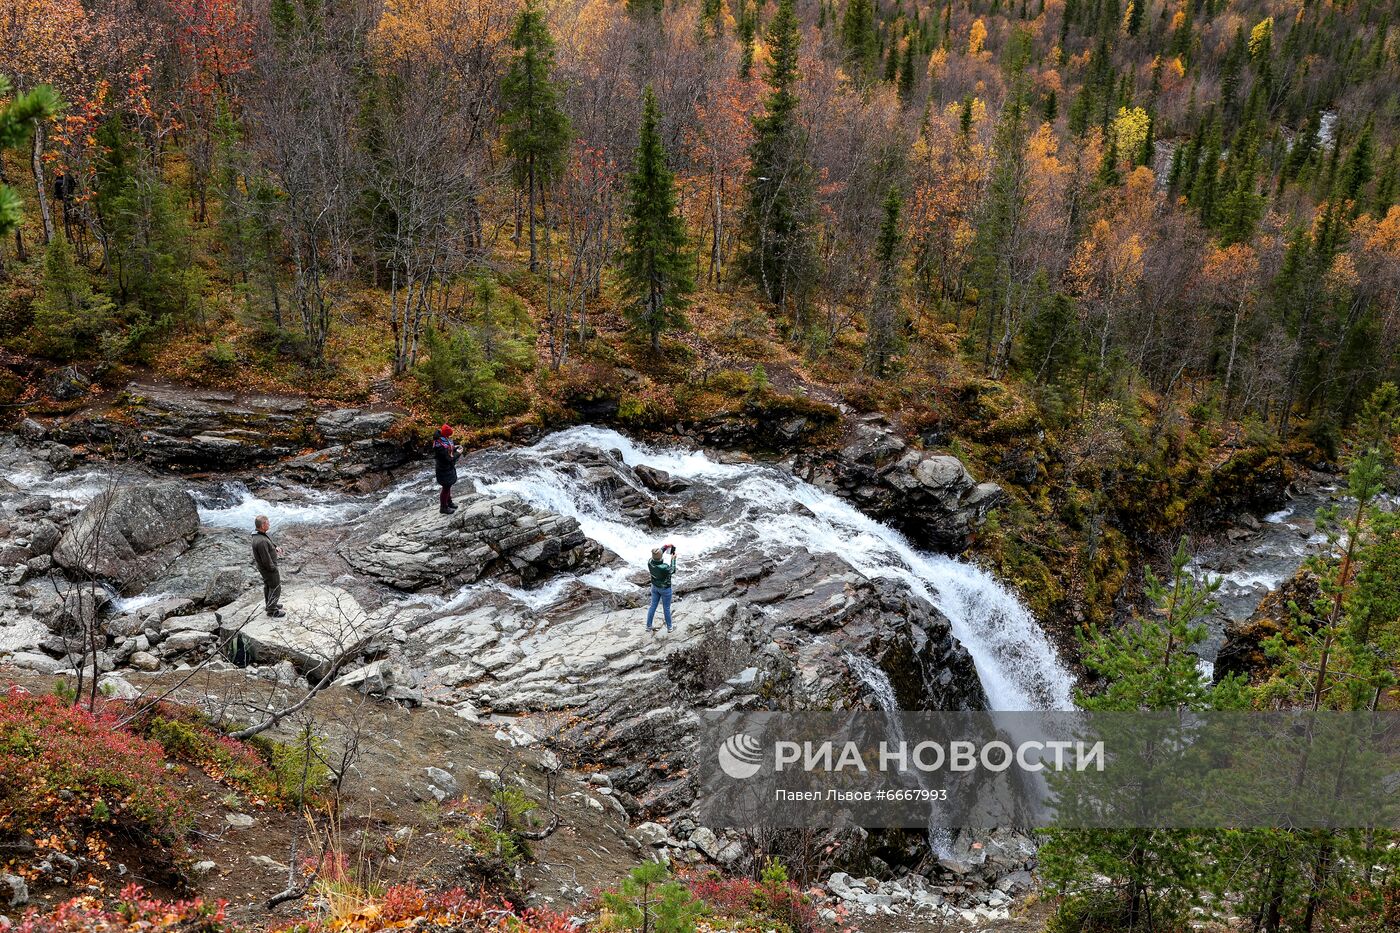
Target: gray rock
<point>118,687</point>
<point>143,661</point>
<point>485,535</point>
<point>353,424</point>
<point>129,534</point>
<point>44,537</point>
<point>321,624</point>
<point>930,497</point>
<point>203,868</point>
<point>34,661</point>
<point>14,892</point>
<point>185,642</point>
<point>239,820</point>
<point>207,622</point>
<point>652,834</point>
<point>444,780</point>
<point>66,384</point>
<point>384,678</point>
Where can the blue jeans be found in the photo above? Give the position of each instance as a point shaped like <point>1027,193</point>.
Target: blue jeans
<point>658,595</point>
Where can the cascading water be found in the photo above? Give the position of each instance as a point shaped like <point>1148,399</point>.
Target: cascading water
<point>755,508</point>
<point>764,508</point>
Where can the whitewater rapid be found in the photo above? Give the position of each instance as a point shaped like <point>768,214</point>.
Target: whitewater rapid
<point>753,506</point>
<point>1018,665</point>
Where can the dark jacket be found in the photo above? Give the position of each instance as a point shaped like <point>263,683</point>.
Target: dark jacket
<point>445,461</point>
<point>264,554</point>
<point>661,573</point>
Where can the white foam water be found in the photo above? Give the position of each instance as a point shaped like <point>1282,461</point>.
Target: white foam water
<point>312,507</point>
<point>1018,666</point>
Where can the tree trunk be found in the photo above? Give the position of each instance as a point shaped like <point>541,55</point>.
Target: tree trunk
<point>530,207</point>
<point>40,185</point>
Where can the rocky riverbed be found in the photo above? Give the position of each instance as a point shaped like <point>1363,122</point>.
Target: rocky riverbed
<point>526,607</point>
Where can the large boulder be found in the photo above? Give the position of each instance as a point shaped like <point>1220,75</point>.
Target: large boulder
<point>930,497</point>
<point>486,535</point>
<point>130,534</point>
<point>322,624</point>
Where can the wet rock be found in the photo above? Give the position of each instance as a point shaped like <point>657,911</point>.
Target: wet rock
<point>130,534</point>
<point>486,535</point>
<point>930,497</point>
<point>659,480</point>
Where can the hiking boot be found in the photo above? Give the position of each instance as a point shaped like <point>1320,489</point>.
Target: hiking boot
<point>276,614</point>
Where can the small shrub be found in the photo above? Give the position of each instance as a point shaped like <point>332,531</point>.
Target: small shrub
<point>62,764</point>
<point>187,735</point>
<point>221,355</point>
<point>772,903</point>
<point>649,896</point>
<point>133,912</point>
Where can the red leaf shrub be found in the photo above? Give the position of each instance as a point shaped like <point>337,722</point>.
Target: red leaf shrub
<point>778,903</point>
<point>63,764</point>
<point>134,912</point>
<point>187,735</point>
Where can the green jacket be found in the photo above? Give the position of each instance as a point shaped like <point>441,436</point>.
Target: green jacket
<point>661,572</point>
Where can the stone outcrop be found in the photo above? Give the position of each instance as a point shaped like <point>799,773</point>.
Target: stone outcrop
<point>322,623</point>
<point>930,497</point>
<point>130,534</point>
<point>486,535</point>
<point>198,430</point>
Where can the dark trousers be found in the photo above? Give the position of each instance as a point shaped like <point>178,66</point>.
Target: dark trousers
<point>272,590</point>
<point>445,497</point>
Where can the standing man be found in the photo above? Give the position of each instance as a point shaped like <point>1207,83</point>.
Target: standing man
<point>661,573</point>
<point>265,555</point>
<point>445,456</point>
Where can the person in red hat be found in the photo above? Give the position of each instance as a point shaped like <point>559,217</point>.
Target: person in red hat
<point>445,456</point>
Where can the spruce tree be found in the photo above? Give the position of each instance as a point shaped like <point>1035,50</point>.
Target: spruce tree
<point>777,221</point>
<point>69,317</point>
<point>1155,876</point>
<point>536,128</point>
<point>882,323</point>
<point>907,78</point>
<point>655,261</point>
<point>858,36</point>
<point>748,31</point>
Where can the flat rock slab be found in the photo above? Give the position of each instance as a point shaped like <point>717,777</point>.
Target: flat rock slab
<point>322,622</point>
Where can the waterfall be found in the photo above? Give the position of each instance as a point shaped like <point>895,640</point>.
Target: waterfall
<point>750,509</point>
<point>761,507</point>
<point>940,839</point>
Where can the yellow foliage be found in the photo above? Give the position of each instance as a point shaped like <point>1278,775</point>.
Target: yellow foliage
<point>1384,235</point>
<point>977,37</point>
<point>1127,14</point>
<point>1261,38</point>
<point>1130,129</point>
<point>936,63</point>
